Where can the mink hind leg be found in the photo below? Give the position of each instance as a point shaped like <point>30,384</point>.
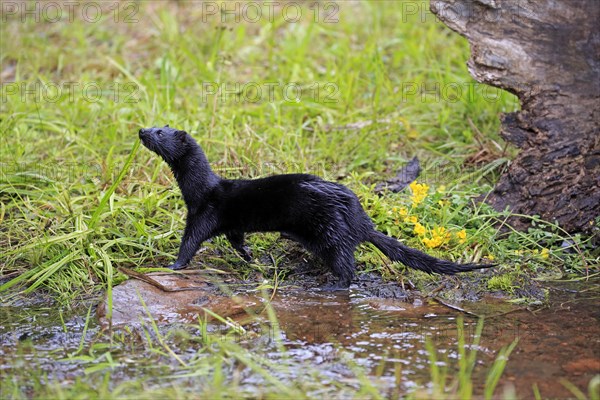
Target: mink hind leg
<point>342,264</point>
<point>237,242</point>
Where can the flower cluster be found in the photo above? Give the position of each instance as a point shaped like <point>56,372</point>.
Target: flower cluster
<point>462,236</point>
<point>438,235</point>
<point>419,229</point>
<point>415,216</point>
<point>419,193</point>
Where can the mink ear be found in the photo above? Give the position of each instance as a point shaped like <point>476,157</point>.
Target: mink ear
<point>166,126</point>
<point>181,135</point>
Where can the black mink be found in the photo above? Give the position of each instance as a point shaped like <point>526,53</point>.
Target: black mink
<point>325,217</point>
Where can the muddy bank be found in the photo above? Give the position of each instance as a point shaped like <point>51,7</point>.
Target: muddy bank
<point>384,324</point>
<point>378,326</point>
<point>184,296</point>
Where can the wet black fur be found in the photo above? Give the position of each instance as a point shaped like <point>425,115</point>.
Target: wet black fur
<point>325,217</point>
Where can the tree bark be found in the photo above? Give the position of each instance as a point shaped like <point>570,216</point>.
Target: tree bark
<point>547,52</point>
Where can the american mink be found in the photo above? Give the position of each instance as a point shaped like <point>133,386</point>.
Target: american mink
<point>325,217</point>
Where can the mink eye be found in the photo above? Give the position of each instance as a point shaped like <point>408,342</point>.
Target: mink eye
<point>159,132</point>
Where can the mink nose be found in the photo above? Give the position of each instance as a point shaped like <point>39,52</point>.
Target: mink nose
<point>142,132</point>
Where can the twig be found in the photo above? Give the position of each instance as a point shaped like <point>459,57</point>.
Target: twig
<point>437,289</point>
<point>150,281</point>
<point>453,307</point>
<point>477,132</point>
<point>508,312</point>
<point>9,275</point>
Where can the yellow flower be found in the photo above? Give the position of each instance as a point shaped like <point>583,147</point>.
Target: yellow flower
<point>545,253</point>
<point>462,236</point>
<point>419,229</point>
<point>403,211</point>
<point>411,219</point>
<point>439,236</point>
<point>433,242</point>
<point>419,192</point>
<point>491,257</point>
<point>441,189</point>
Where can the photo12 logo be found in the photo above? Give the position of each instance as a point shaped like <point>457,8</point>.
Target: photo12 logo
<point>450,92</point>
<point>51,171</point>
<point>253,92</point>
<point>68,11</point>
<point>269,11</point>
<point>52,92</point>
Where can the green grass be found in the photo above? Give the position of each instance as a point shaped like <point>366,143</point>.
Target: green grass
<point>79,200</point>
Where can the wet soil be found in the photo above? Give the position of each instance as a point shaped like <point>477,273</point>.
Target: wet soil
<point>378,325</point>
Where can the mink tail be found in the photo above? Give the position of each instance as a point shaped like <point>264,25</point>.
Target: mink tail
<point>416,259</point>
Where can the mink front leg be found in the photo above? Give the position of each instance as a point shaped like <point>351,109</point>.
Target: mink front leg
<point>197,230</point>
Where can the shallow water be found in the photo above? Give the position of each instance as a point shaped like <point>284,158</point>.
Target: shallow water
<point>326,330</point>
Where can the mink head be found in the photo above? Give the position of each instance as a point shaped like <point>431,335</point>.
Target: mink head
<point>169,143</point>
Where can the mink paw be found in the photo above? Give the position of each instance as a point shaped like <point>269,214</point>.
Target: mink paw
<point>176,266</point>
<point>246,254</point>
